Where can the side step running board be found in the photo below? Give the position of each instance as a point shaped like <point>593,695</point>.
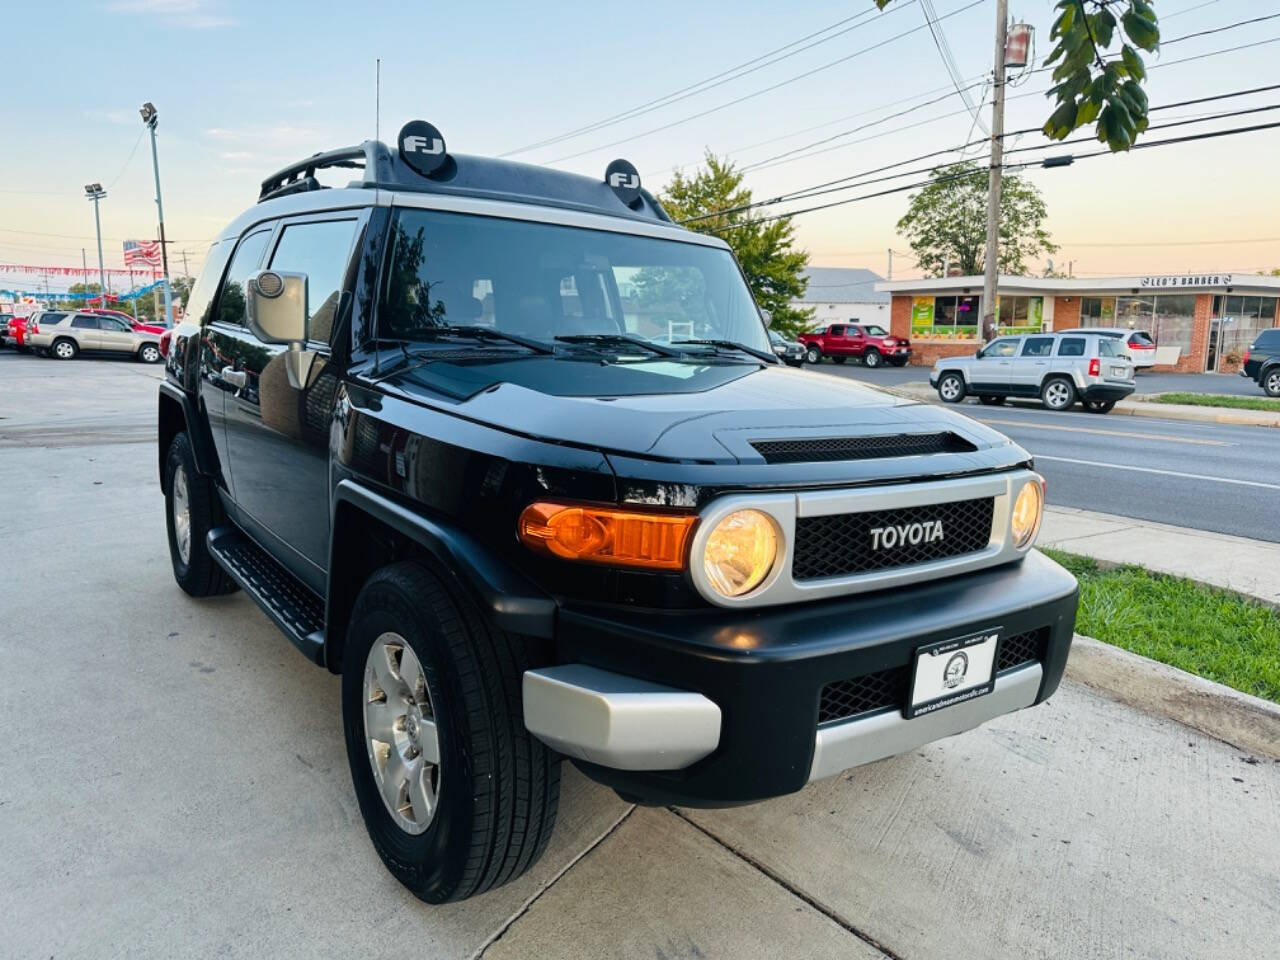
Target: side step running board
<point>291,604</point>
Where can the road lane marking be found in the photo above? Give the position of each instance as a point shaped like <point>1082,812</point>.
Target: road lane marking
<point>1111,433</point>
<point>1166,473</point>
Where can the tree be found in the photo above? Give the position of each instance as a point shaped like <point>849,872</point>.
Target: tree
<point>947,222</point>
<point>1093,84</point>
<point>773,268</point>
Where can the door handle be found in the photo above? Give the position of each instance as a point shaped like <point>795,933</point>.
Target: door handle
<point>237,378</point>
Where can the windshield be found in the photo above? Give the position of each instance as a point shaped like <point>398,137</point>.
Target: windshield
<point>875,331</point>
<point>541,281</point>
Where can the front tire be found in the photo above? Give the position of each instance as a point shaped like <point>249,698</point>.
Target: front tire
<point>480,814</point>
<point>1271,383</point>
<point>872,358</point>
<point>813,355</point>
<point>951,388</point>
<point>149,353</point>
<point>64,349</point>
<point>1058,394</point>
<point>191,510</point>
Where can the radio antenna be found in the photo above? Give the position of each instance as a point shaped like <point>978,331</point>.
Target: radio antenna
<point>377,141</point>
<point>377,99</point>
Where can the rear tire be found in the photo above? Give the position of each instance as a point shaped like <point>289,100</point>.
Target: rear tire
<point>951,388</point>
<point>1058,394</point>
<point>813,355</point>
<point>1271,383</point>
<point>64,348</point>
<point>489,805</point>
<point>872,358</point>
<point>189,495</point>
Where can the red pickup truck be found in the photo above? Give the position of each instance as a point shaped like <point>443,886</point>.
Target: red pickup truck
<point>871,342</point>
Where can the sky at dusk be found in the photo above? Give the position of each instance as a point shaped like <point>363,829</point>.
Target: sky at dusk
<point>244,88</point>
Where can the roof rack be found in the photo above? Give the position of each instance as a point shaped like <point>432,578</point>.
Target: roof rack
<point>301,176</point>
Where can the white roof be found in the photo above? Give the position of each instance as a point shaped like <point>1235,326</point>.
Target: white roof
<point>1110,286</point>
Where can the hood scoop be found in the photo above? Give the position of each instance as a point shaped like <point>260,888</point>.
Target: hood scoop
<point>832,449</point>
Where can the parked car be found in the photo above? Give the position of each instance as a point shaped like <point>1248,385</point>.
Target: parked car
<point>133,322</point>
<point>5,318</point>
<point>789,352</point>
<point>871,343</point>
<point>20,326</point>
<point>1262,362</point>
<point>75,333</point>
<point>1139,345</point>
<point>701,578</point>
<point>1059,368</point>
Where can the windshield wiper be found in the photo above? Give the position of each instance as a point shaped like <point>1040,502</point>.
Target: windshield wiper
<point>606,338</point>
<point>484,333</point>
<point>732,345</point>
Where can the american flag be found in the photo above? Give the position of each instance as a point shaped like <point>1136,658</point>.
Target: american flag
<point>142,251</point>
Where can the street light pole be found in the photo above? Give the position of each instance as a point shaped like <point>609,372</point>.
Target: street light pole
<point>150,117</point>
<point>992,264</point>
<point>95,193</point>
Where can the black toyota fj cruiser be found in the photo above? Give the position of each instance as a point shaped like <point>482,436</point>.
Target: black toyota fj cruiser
<point>509,451</point>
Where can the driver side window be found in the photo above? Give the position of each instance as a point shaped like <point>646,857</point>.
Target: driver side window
<point>1000,349</point>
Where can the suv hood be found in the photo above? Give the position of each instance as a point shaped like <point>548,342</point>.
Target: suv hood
<point>705,413</point>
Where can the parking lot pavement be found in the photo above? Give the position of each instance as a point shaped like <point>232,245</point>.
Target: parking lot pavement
<point>173,783</point>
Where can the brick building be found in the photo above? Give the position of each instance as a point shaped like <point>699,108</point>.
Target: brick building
<point>1199,321</point>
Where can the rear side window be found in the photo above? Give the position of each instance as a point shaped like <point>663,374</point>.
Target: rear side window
<point>1071,347</point>
<point>1108,347</point>
<point>1268,338</point>
<point>231,304</point>
<point>1038,347</point>
<point>1141,339</point>
<point>836,331</point>
<point>51,319</point>
<point>83,322</point>
<point>321,250</point>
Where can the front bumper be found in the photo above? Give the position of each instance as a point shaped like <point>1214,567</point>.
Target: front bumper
<point>763,672</point>
<point>1106,392</point>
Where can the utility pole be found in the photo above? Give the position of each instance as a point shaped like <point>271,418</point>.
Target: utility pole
<point>151,117</point>
<point>890,277</point>
<point>991,267</point>
<point>94,192</point>
<point>185,273</point>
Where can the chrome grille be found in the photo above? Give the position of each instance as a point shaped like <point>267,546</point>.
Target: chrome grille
<point>842,544</point>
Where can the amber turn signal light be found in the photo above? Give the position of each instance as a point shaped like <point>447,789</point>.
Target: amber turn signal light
<point>591,534</point>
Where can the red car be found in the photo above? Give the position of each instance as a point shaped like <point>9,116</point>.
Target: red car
<point>135,324</point>
<point>840,341</point>
<point>17,331</point>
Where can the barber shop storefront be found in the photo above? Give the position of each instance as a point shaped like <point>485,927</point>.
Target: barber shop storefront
<point>1198,322</point>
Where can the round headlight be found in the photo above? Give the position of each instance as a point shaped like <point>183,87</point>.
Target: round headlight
<point>1026,512</point>
<point>740,552</point>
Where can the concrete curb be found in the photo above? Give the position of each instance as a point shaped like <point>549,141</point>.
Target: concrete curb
<point>1248,723</point>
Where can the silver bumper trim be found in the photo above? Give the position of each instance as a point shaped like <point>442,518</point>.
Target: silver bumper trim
<point>618,721</point>
<point>855,742</point>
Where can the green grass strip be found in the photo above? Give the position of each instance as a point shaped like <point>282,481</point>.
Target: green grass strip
<point>1214,633</point>
<point>1218,400</point>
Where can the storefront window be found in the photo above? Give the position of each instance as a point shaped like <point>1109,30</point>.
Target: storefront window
<point>1174,316</point>
<point>1019,314</point>
<point>1242,319</point>
<point>1097,311</point>
<point>946,318</point>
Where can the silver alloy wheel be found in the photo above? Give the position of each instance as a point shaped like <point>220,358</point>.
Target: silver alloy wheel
<point>814,355</point>
<point>150,354</point>
<point>949,388</point>
<point>1273,383</point>
<point>1057,395</point>
<point>400,733</point>
<point>872,359</point>
<point>182,514</point>
<point>63,350</point>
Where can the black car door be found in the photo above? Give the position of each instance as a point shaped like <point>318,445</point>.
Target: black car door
<point>278,434</point>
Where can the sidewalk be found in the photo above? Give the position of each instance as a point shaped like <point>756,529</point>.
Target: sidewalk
<point>1251,567</point>
<point>1139,407</point>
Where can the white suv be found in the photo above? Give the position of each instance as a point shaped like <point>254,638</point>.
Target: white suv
<point>1059,368</point>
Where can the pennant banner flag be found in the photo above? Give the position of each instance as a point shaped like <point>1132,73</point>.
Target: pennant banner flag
<point>85,274</point>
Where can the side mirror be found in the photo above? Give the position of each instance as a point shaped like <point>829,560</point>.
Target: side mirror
<point>276,304</point>
<point>767,317</point>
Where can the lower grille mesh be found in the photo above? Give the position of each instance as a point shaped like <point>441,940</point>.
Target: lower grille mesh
<point>889,689</point>
<point>827,449</point>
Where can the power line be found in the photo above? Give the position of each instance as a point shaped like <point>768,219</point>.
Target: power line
<point>949,63</point>
<point>764,90</point>
<point>1229,26</point>
<point>702,86</point>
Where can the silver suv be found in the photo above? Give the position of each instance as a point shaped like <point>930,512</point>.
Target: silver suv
<point>1059,368</point>
<point>74,333</point>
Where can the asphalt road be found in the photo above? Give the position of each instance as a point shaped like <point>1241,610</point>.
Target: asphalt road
<point>1208,476</point>
<point>173,783</point>
<point>1147,382</point>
